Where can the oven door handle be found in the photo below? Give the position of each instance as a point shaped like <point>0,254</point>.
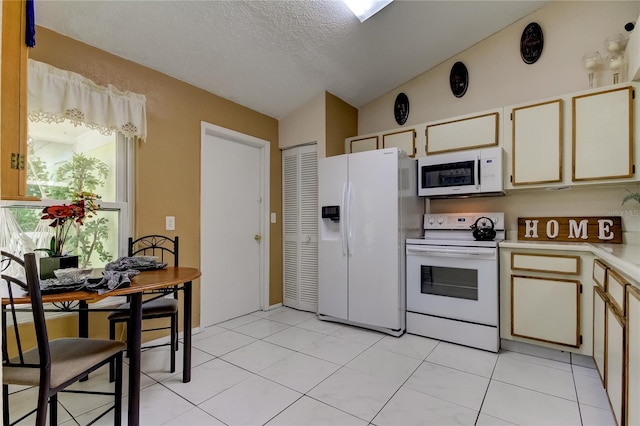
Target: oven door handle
<point>452,251</point>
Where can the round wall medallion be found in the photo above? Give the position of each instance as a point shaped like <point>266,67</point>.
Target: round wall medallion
<point>531,43</point>
<point>459,79</point>
<point>401,108</point>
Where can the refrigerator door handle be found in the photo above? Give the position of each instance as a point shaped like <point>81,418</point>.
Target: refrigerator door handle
<point>343,221</point>
<point>349,227</point>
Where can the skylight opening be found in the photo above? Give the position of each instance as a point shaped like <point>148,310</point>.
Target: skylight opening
<point>365,9</point>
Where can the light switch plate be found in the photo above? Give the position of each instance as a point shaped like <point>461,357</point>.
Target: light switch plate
<point>170,223</point>
<point>273,217</point>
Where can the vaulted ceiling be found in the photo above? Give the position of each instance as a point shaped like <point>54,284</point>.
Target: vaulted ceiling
<point>274,55</point>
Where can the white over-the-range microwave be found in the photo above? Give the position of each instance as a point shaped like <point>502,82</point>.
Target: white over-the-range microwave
<point>463,173</point>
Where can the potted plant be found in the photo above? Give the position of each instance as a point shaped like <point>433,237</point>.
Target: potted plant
<point>63,218</point>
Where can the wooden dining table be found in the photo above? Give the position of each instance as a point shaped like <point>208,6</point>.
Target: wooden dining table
<point>143,282</point>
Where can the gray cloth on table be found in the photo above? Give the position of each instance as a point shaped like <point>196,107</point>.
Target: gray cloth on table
<point>112,280</point>
<point>134,262</point>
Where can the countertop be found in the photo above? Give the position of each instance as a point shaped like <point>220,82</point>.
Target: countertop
<point>623,257</point>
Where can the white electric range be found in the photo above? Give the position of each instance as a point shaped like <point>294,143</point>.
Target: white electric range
<point>452,280</point>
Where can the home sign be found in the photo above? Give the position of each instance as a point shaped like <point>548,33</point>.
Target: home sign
<point>606,229</point>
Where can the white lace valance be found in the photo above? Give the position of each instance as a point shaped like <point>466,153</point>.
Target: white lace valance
<point>56,95</point>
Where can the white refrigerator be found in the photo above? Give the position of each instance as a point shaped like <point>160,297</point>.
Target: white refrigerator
<point>368,206</point>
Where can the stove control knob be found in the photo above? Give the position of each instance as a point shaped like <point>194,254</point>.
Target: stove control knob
<point>432,220</point>
<point>440,220</point>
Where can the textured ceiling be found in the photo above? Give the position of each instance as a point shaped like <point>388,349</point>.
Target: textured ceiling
<point>272,55</point>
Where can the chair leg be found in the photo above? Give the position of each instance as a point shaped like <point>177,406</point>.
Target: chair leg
<point>41,410</point>
<point>176,331</point>
<point>117,421</point>
<point>5,405</point>
<point>174,342</point>
<point>112,336</point>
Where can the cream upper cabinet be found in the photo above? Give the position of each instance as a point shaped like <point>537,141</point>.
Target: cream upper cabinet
<point>633,356</point>
<point>546,298</point>
<point>603,135</point>
<point>360,144</point>
<point>408,139</point>
<point>533,134</point>
<point>576,139</point>
<point>403,139</point>
<point>465,132</point>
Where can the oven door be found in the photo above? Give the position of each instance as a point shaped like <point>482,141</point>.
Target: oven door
<point>453,282</point>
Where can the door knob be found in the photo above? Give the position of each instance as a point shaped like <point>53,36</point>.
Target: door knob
<point>257,237</point>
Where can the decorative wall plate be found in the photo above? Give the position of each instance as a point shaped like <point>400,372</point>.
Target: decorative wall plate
<point>401,108</point>
<point>459,79</point>
<point>531,43</point>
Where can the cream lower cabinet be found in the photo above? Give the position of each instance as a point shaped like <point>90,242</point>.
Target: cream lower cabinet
<point>621,298</point>
<point>599,331</point>
<point>614,369</point>
<point>546,309</point>
<point>546,298</point>
<point>633,357</point>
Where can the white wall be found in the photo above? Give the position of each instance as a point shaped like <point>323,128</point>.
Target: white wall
<point>498,77</point>
<point>305,125</point>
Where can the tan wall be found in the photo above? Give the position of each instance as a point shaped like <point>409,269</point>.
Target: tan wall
<point>341,123</point>
<point>168,164</point>
<point>304,125</point>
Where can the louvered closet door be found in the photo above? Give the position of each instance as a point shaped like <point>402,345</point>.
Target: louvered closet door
<point>300,227</point>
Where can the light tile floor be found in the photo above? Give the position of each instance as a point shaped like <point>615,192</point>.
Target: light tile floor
<point>285,367</point>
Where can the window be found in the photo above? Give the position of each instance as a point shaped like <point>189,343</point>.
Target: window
<point>64,158</point>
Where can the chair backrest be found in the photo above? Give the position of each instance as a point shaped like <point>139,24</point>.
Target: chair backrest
<point>155,245</point>
<point>32,286</point>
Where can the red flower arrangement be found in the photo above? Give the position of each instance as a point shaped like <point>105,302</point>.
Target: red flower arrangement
<point>65,216</point>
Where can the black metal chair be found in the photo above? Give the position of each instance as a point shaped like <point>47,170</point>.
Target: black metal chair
<point>53,365</point>
<point>156,305</point>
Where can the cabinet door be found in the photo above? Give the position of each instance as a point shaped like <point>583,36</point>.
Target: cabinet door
<point>464,133</point>
<point>616,285</point>
<point>599,326</point>
<point>536,140</point>
<point>603,129</point>
<point>404,139</point>
<point>546,309</point>
<point>633,356</point>
<point>600,273</point>
<point>13,114</point>
<point>362,144</point>
<point>614,369</point>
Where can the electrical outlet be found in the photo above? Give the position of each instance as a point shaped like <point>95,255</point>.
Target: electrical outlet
<point>170,223</point>
<point>273,217</point>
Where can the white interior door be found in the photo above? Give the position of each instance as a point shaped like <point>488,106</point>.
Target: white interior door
<point>232,230</point>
